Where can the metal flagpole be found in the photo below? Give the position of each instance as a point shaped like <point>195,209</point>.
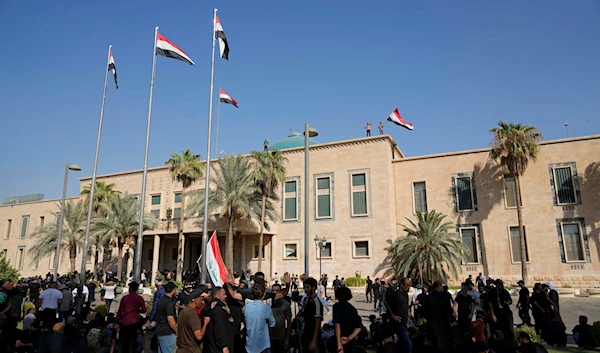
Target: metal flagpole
<point>207,172</point>
<point>93,186</point>
<point>218,120</point>
<point>140,237</point>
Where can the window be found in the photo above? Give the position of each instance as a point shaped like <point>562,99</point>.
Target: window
<point>290,251</point>
<point>290,205</point>
<point>510,192</point>
<point>515,245</point>
<point>464,195</point>
<point>324,197</point>
<point>155,214</point>
<point>57,219</point>
<point>178,197</point>
<point>420,196</point>
<point>361,248</point>
<point>359,194</point>
<point>8,226</point>
<point>20,257</point>
<point>177,212</point>
<point>173,254</point>
<point>51,260</point>
<point>42,219</point>
<point>573,242</point>
<point>24,224</point>
<point>469,238</point>
<point>564,185</point>
<point>255,252</point>
<point>149,254</point>
<point>156,199</point>
<point>325,252</point>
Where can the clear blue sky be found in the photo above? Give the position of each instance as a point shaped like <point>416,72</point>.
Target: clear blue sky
<point>454,68</point>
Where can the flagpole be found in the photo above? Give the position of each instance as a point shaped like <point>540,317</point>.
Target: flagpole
<point>218,120</point>
<point>140,237</point>
<point>207,172</point>
<point>92,187</point>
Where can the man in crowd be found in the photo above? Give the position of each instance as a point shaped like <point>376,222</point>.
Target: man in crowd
<point>49,302</point>
<point>166,326</point>
<point>369,289</point>
<point>128,316</point>
<point>398,308</point>
<point>312,310</point>
<point>258,318</point>
<point>219,332</point>
<point>463,309</point>
<point>189,328</point>
<point>500,313</point>
<point>375,291</point>
<point>64,312</point>
<point>523,303</point>
<point>280,333</point>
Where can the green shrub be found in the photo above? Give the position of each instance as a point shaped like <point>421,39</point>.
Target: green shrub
<point>28,306</point>
<point>596,332</point>
<point>148,308</point>
<point>7,271</point>
<point>102,310</point>
<point>178,284</point>
<point>530,330</point>
<point>356,282</point>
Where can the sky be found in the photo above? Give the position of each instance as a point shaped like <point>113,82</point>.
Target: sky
<point>454,69</point>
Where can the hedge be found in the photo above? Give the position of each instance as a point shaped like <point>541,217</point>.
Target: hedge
<point>356,282</point>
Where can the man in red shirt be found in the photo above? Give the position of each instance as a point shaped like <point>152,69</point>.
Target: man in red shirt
<point>128,316</point>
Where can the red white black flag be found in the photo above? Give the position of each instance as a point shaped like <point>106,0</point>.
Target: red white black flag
<point>220,35</point>
<point>169,49</point>
<point>225,98</point>
<point>112,67</point>
<point>397,119</point>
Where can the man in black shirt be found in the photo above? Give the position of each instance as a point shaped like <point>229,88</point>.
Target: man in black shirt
<point>166,326</point>
<point>398,308</point>
<point>312,311</point>
<point>500,313</point>
<point>369,289</point>
<point>220,330</point>
<point>347,322</point>
<point>34,290</point>
<point>92,291</point>
<point>463,309</point>
<point>523,303</point>
<point>375,291</point>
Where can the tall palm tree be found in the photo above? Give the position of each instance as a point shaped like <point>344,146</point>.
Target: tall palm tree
<point>186,169</point>
<point>430,247</point>
<point>102,194</point>
<point>268,174</point>
<point>121,225</point>
<point>514,145</point>
<point>72,236</point>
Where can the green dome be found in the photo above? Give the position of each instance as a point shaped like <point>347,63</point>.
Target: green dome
<point>295,140</point>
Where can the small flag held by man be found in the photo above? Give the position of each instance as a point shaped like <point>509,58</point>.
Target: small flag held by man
<point>397,119</point>
<point>225,98</point>
<point>112,67</point>
<point>220,35</point>
<point>169,49</point>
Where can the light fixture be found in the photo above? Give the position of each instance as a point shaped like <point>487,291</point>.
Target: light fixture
<point>74,167</point>
<point>317,240</point>
<point>323,241</point>
<point>312,132</point>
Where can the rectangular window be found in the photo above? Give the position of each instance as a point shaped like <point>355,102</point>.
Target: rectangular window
<point>177,212</point>
<point>361,248</point>
<point>57,219</point>
<point>464,193</point>
<point>323,197</point>
<point>51,260</point>
<point>149,254</point>
<point>469,238</point>
<point>325,252</point>
<point>420,195</point>
<point>173,254</point>
<point>156,199</point>
<point>8,226</point>
<point>255,252</point>
<point>573,242</point>
<point>564,185</point>
<point>24,224</point>
<point>510,191</point>
<point>178,197</point>
<point>42,219</point>
<point>155,213</point>
<point>359,194</point>
<point>515,245</point>
<point>290,251</point>
<point>20,257</point>
<point>290,205</point>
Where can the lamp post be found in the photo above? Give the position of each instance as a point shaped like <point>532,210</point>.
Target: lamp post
<point>308,132</point>
<point>320,243</point>
<point>68,167</point>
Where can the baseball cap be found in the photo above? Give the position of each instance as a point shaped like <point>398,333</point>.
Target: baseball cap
<point>195,295</point>
<point>170,286</point>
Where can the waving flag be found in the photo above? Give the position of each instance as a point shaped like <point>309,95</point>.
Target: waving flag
<point>397,119</point>
<point>225,98</point>
<point>169,49</point>
<point>112,67</point>
<point>214,262</point>
<point>220,35</point>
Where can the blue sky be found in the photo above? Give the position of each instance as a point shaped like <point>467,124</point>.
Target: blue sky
<point>453,68</point>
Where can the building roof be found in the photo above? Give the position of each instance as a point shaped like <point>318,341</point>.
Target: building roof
<point>295,140</point>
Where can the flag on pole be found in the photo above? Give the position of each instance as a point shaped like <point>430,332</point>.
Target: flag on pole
<point>214,262</point>
<point>225,98</point>
<point>169,49</point>
<point>397,119</point>
<point>220,35</point>
<point>112,67</point>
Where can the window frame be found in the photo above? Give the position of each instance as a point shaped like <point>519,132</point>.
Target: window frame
<point>152,212</point>
<point>285,257</point>
<point>295,180</point>
<point>8,229</point>
<point>510,246</point>
<point>42,221</point>
<point>264,250</point>
<point>331,247</point>
<point>149,254</point>
<point>581,241</point>
<point>20,263</point>
<point>477,244</point>
<point>175,193</point>
<point>367,186</point>
<point>353,242</point>
<point>506,206</point>
<point>21,235</point>
<point>152,200</point>
<point>415,198</point>
<point>330,190</point>
<point>471,188</point>
<point>174,213</point>
<point>573,176</point>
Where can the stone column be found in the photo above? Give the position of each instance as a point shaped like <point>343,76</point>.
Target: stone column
<point>130,259</point>
<point>180,257</point>
<point>155,257</point>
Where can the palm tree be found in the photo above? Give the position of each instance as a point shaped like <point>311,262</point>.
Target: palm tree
<point>186,169</point>
<point>72,236</point>
<point>430,247</point>
<point>514,145</point>
<point>121,225</point>
<point>269,173</point>
<point>102,194</point>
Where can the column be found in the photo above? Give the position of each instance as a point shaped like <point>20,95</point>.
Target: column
<point>180,257</point>
<point>272,245</point>
<point>243,265</point>
<point>130,259</point>
<point>155,256</point>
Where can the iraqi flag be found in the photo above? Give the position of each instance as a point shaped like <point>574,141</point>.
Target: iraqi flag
<point>169,49</point>
<point>220,35</point>
<point>397,119</point>
<point>214,262</point>
<point>225,98</point>
<point>112,67</point>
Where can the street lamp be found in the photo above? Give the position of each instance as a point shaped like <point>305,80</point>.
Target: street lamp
<point>320,244</point>
<point>68,167</point>
<point>308,132</point>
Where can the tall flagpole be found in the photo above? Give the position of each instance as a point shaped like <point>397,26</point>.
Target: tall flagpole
<point>140,237</point>
<point>93,186</point>
<point>218,120</point>
<point>207,172</point>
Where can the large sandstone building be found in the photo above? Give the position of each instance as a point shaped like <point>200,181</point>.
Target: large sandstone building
<point>361,192</point>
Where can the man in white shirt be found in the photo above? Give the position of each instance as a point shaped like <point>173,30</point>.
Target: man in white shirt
<point>86,292</point>
<point>49,302</point>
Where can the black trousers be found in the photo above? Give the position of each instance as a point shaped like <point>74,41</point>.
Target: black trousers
<point>128,338</point>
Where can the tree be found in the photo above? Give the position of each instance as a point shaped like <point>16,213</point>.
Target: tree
<point>428,246</point>
<point>268,174</point>
<point>186,169</point>
<point>72,237</point>
<point>102,194</point>
<point>7,271</point>
<point>514,145</point>
<point>121,225</point>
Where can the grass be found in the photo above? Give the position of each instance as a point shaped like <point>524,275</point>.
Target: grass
<point>564,350</point>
